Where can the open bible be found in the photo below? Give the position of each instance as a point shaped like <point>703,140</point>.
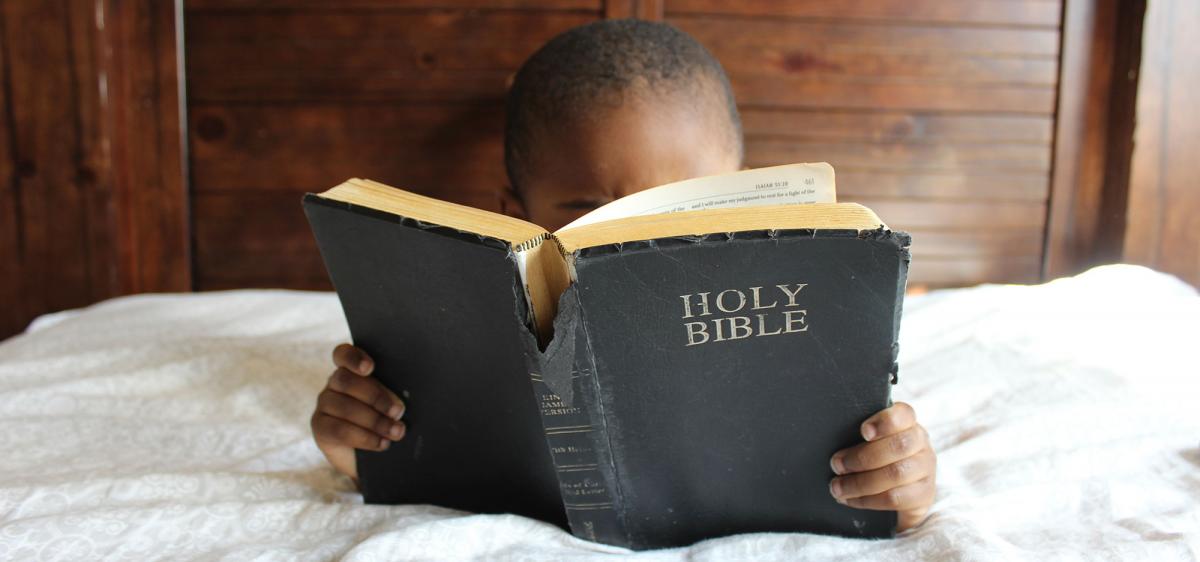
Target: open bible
<point>676,365</point>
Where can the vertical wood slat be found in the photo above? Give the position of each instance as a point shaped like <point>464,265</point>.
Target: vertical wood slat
<point>1164,202</point>
<point>55,247</point>
<point>146,130</point>
<point>1071,216</point>
<point>91,183</point>
<point>11,220</point>
<point>641,9</point>
<point>1094,120</point>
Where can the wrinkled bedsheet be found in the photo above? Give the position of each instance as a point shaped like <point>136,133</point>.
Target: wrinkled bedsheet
<point>1065,418</point>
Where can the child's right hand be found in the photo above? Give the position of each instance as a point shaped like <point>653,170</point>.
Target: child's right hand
<point>355,411</point>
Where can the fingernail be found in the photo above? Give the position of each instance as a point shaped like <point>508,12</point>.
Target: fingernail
<point>836,464</point>
<point>835,489</point>
<point>383,444</point>
<point>868,431</point>
<point>365,367</point>
<point>396,431</point>
<point>395,411</point>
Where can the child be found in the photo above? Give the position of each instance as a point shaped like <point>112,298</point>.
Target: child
<point>600,112</point>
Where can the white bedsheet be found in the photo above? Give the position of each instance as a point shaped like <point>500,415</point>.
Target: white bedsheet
<point>176,426</point>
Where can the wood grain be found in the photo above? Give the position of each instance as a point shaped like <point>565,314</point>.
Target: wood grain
<point>1093,128</point>
<point>423,147</point>
<point>145,132</point>
<point>958,185</point>
<point>907,214</point>
<point>92,196</point>
<point>1164,202</point>
<point>56,246</point>
<point>976,158</point>
<point>1032,13</point>
<point>642,9</point>
<point>779,34</point>
<point>941,114</point>
<point>440,55</point>
<point>344,5</point>
<point>876,93</point>
<point>836,50</point>
<point>969,270</point>
<point>977,244</point>
<point>428,148</point>
<point>897,126</point>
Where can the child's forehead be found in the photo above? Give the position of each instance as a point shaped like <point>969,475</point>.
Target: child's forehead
<point>646,141</point>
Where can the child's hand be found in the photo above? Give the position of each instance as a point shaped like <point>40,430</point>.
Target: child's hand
<point>355,411</point>
<point>894,470</point>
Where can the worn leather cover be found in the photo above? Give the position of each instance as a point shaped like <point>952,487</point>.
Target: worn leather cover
<point>733,436</point>
<point>442,314</point>
<point>695,387</point>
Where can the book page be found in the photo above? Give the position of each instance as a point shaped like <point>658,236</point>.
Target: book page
<point>777,185</point>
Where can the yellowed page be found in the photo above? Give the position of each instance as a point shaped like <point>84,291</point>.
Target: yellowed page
<point>777,185</point>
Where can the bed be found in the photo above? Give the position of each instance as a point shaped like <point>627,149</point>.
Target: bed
<point>176,426</point>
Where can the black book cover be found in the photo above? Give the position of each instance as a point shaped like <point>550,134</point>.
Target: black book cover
<point>695,387</point>
<point>725,372</point>
<point>442,314</point>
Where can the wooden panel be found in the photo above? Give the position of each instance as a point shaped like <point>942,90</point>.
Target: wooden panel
<point>427,147</point>
<point>141,100</point>
<point>891,156</point>
<point>911,155</point>
<point>307,55</point>
<point>1164,201</point>
<point>938,114</point>
<point>872,93</point>
<point>49,197</point>
<point>835,50</point>
<point>1093,131</point>
<point>907,214</point>
<point>642,9</point>
<point>452,149</point>
<point>1010,12</point>
<point>781,36</point>
<point>875,126</point>
<point>970,270</point>
<point>440,149</point>
<point>341,5</point>
<point>831,64</point>
<point>853,184</point>
<point>254,239</point>
<point>92,196</point>
<point>980,243</point>
<point>15,317</point>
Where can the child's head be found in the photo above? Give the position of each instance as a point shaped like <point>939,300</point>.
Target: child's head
<point>612,108</point>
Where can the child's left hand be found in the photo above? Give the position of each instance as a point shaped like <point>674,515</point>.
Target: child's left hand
<point>894,470</point>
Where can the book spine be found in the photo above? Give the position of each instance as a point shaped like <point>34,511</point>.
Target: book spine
<point>904,242</point>
<point>577,437</point>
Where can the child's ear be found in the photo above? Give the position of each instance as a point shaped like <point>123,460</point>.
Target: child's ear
<point>510,203</point>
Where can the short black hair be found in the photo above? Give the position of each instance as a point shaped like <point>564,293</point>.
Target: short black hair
<point>593,66</point>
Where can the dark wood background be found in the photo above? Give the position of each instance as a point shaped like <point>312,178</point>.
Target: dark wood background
<point>158,147</point>
<point>939,115</point>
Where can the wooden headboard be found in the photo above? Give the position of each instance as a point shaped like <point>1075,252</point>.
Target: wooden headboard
<point>938,114</point>
<point>997,132</point>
